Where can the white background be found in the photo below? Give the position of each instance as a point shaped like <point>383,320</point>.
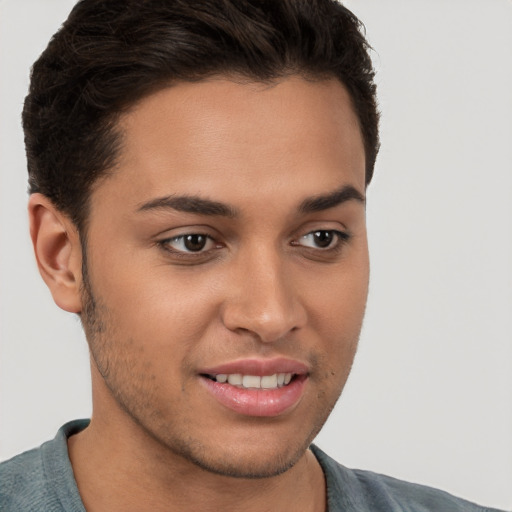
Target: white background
<point>430,397</point>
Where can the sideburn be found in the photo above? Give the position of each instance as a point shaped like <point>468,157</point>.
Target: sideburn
<point>92,323</point>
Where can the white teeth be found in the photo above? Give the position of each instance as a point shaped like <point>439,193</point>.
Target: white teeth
<point>251,381</point>
<point>269,381</point>
<point>275,381</point>
<point>235,379</point>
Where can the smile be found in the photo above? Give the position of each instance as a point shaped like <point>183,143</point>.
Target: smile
<point>277,380</point>
<point>257,387</point>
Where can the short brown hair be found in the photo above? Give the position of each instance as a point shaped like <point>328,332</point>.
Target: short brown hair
<point>109,54</point>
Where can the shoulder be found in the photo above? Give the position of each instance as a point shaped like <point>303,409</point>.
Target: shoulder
<point>20,479</point>
<point>358,490</point>
<point>42,478</point>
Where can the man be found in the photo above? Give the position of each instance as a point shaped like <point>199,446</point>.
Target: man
<point>198,175</point>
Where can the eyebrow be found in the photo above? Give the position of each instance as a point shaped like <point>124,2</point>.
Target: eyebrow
<point>201,206</point>
<point>190,204</point>
<point>326,201</point>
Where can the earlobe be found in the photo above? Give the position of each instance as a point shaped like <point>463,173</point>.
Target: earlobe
<point>58,252</point>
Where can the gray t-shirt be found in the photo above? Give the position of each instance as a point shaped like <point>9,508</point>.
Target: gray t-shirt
<point>41,480</point>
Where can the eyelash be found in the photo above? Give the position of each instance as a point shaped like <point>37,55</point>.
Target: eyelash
<point>339,238</point>
<point>182,239</point>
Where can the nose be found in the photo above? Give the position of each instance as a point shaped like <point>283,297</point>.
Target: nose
<point>263,298</point>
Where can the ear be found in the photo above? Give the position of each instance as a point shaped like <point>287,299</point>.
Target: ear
<point>58,252</point>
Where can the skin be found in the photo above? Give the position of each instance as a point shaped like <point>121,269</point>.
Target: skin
<point>262,287</point>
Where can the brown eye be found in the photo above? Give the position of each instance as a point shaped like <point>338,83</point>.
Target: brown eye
<point>322,239</point>
<point>194,243</point>
<point>190,243</point>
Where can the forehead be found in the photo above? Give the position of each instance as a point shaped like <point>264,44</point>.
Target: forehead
<point>220,133</point>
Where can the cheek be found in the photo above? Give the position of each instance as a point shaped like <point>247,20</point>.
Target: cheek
<point>154,304</point>
<point>338,315</point>
<point>338,300</point>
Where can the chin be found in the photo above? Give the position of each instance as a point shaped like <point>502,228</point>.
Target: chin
<point>243,463</point>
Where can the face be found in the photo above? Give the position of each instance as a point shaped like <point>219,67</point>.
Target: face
<point>227,271</point>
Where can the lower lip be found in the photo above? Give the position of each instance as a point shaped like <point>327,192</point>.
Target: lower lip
<point>258,402</point>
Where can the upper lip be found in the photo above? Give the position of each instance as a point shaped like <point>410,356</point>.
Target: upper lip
<point>259,367</point>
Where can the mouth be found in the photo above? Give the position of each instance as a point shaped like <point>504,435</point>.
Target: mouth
<point>275,381</point>
<point>257,387</point>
